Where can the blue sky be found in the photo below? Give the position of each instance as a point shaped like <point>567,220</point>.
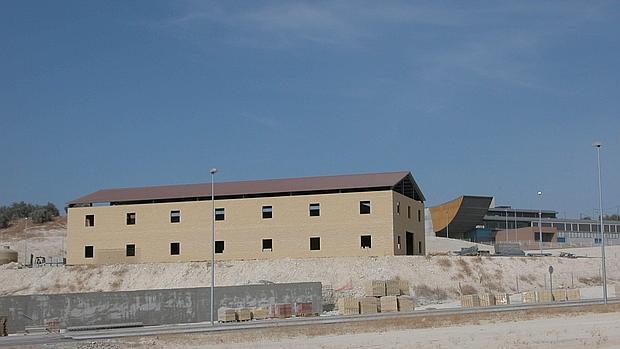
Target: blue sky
<point>483,98</point>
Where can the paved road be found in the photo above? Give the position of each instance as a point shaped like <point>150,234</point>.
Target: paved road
<point>206,327</point>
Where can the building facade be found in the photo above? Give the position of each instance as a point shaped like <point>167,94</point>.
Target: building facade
<point>355,215</point>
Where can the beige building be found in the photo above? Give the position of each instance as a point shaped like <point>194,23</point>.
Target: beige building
<point>376,214</point>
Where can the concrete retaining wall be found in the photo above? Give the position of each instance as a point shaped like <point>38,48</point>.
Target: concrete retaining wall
<point>151,307</point>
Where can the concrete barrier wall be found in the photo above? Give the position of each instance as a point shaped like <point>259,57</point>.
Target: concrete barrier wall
<point>151,307</point>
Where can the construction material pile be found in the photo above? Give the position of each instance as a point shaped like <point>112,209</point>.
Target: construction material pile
<point>380,297</point>
<point>274,311</point>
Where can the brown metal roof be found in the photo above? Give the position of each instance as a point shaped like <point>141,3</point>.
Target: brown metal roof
<point>268,186</point>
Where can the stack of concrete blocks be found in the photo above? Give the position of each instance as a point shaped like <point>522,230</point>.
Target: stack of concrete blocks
<point>403,285</point>
<point>487,300</point>
<point>280,310</point>
<point>559,295</point>
<point>573,294</point>
<point>470,301</point>
<point>348,306</point>
<point>259,313</point>
<point>304,309</point>
<point>243,314</point>
<point>502,299</point>
<point>369,305</point>
<point>617,290</point>
<point>529,297</point>
<point>406,303</point>
<point>226,315</point>
<point>389,304</point>
<point>392,288</point>
<point>545,296</point>
<point>3,330</point>
<point>375,288</point>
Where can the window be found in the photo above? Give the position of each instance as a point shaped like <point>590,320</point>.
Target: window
<point>219,214</point>
<point>419,216</point>
<point>267,245</point>
<point>315,210</point>
<point>219,247</point>
<point>267,212</point>
<point>89,251</point>
<point>90,220</point>
<point>131,218</point>
<point>364,207</point>
<point>315,244</point>
<point>175,216</point>
<point>175,248</point>
<point>409,212</point>
<point>130,250</point>
<point>366,241</point>
<point>398,207</point>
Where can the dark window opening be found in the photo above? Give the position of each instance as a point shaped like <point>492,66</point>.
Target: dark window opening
<point>175,216</point>
<point>398,207</point>
<point>366,241</point>
<point>315,244</point>
<point>131,218</point>
<point>89,251</point>
<point>364,207</point>
<point>219,247</point>
<point>130,250</point>
<point>398,241</point>
<point>409,212</point>
<point>267,212</point>
<point>175,248</point>
<point>419,215</point>
<point>267,245</point>
<point>90,220</point>
<point>219,214</point>
<point>315,210</point>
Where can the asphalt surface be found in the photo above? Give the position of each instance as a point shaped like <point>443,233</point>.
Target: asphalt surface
<point>205,327</point>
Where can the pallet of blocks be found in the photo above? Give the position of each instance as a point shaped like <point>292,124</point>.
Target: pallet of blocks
<point>389,304</point>
<point>573,294</point>
<point>487,300</point>
<point>375,288</point>
<point>545,296</point>
<point>529,297</point>
<point>226,315</point>
<point>304,309</point>
<point>403,285</point>
<point>502,299</point>
<point>348,306</point>
<point>559,295</point>
<point>243,314</point>
<point>392,288</point>
<point>470,301</point>
<point>617,290</point>
<point>259,313</point>
<point>369,305</point>
<point>406,303</point>
<point>280,310</point>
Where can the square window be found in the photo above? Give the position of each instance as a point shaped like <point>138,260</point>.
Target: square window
<point>315,244</point>
<point>364,207</point>
<point>267,245</point>
<point>131,218</point>
<point>89,220</point>
<point>89,251</point>
<point>175,216</point>
<point>130,250</point>
<point>219,214</point>
<point>175,248</point>
<point>315,210</point>
<point>219,246</point>
<point>267,212</point>
<point>366,241</point>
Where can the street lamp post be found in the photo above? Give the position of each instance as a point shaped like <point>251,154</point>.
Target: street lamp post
<point>25,241</point>
<point>213,172</point>
<point>598,145</point>
<point>540,236</point>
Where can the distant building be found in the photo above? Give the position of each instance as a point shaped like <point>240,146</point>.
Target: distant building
<point>471,218</point>
<point>375,214</point>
